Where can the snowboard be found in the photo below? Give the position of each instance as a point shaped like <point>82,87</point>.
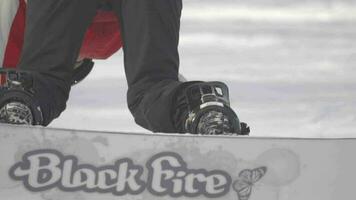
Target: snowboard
<point>55,164</point>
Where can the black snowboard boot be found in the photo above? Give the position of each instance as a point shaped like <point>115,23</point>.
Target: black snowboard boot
<point>81,70</point>
<point>17,105</point>
<point>210,112</point>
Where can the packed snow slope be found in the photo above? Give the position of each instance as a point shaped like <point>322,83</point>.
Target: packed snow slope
<point>290,65</point>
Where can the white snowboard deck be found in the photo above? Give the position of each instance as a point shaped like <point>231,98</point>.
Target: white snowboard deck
<point>307,169</point>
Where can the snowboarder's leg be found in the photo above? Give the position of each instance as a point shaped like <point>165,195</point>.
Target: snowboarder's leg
<point>157,100</point>
<point>150,30</point>
<point>53,36</point>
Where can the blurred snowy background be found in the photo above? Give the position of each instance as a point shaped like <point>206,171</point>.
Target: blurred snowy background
<point>290,65</point>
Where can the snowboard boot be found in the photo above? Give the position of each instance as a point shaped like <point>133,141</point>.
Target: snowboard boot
<point>210,112</point>
<point>81,70</point>
<point>17,103</point>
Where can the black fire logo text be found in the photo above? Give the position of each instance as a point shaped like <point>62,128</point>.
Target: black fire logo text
<point>168,174</point>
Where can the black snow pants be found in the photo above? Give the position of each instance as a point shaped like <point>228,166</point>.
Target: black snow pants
<point>150,30</point>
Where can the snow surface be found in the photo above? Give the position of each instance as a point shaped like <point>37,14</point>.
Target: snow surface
<point>290,65</point>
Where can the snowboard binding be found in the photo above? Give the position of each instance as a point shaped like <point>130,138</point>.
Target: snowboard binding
<point>210,112</point>
<point>17,102</point>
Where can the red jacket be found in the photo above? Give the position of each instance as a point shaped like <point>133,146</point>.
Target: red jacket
<point>102,39</point>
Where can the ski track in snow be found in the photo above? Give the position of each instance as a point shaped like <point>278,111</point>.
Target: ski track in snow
<point>290,67</point>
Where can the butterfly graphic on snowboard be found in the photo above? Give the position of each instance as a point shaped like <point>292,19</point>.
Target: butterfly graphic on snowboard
<point>247,178</point>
